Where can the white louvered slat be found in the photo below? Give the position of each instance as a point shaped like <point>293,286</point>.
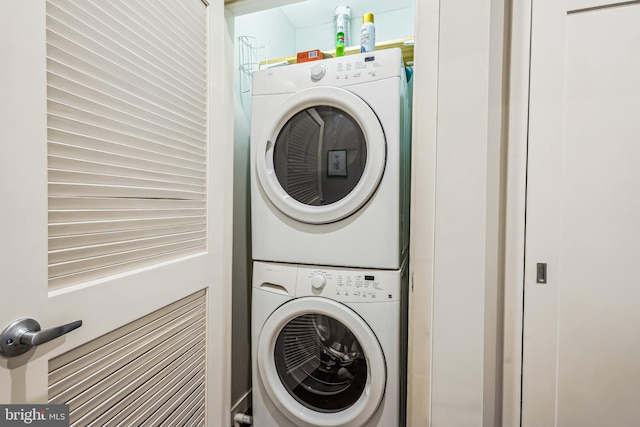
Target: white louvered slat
<point>121,413</point>
<point>69,92</point>
<point>81,177</point>
<point>155,401</point>
<point>148,346</point>
<point>149,372</point>
<point>71,361</point>
<point>96,35</point>
<point>130,403</point>
<point>83,276</point>
<point>78,109</point>
<point>100,68</point>
<point>188,410</point>
<point>93,167</point>
<point>121,381</point>
<point>135,151</point>
<point>133,397</point>
<point>79,203</point>
<point>72,242</point>
<point>86,264</point>
<point>127,131</point>
<point>113,248</point>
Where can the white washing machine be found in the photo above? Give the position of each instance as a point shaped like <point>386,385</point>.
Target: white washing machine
<point>328,346</point>
<point>330,162</point>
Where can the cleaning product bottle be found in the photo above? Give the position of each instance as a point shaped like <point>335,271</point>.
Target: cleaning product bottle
<point>340,44</point>
<point>367,34</point>
<point>342,22</point>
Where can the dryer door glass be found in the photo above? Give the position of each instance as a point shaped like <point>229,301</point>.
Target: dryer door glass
<point>320,363</point>
<point>320,155</point>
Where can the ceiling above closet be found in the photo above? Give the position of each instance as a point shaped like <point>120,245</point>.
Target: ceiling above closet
<point>315,12</point>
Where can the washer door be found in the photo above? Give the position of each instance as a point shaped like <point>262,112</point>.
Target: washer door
<point>321,155</point>
<point>321,364</point>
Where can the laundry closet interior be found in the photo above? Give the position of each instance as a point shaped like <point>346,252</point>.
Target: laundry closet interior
<point>336,249</point>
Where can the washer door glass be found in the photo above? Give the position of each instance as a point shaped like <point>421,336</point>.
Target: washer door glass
<point>321,363</point>
<point>320,155</point>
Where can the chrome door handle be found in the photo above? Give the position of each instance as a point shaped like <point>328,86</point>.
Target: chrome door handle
<point>21,335</point>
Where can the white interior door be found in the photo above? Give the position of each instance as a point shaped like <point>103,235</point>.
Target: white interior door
<point>144,350</point>
<point>580,344</point>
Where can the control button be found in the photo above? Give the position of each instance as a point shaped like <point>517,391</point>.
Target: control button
<point>318,281</point>
<point>317,72</point>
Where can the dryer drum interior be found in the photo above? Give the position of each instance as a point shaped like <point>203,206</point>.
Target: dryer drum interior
<point>321,363</point>
<point>320,155</point>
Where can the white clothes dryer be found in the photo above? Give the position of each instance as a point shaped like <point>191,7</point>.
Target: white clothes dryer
<point>328,346</point>
<point>330,162</point>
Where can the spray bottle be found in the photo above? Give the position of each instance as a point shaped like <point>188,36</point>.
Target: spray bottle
<point>367,34</point>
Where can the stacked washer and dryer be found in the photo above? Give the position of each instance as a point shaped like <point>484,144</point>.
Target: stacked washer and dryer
<point>329,209</point>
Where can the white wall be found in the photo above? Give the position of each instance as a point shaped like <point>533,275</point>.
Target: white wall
<point>395,24</point>
<point>275,37</point>
<point>271,29</point>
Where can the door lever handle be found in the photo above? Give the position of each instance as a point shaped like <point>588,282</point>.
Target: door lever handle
<point>21,335</point>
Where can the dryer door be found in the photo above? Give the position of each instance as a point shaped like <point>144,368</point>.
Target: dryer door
<point>321,155</point>
<point>321,364</point>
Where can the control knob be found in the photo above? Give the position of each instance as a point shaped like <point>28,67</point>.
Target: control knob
<point>318,281</point>
<point>317,72</point>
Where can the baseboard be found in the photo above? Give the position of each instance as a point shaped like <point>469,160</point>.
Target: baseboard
<point>241,406</point>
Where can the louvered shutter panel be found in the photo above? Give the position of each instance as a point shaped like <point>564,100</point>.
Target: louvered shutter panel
<point>127,133</point>
<point>150,372</point>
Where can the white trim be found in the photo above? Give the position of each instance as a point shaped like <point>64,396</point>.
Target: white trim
<point>515,211</point>
<point>244,7</point>
<point>220,205</point>
<point>423,183</point>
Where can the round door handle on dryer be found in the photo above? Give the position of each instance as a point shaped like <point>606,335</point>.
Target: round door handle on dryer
<point>318,281</point>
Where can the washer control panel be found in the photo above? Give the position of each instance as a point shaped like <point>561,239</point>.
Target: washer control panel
<point>349,285</point>
<point>340,284</point>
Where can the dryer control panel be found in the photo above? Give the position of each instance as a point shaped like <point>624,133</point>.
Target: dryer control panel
<point>341,71</point>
